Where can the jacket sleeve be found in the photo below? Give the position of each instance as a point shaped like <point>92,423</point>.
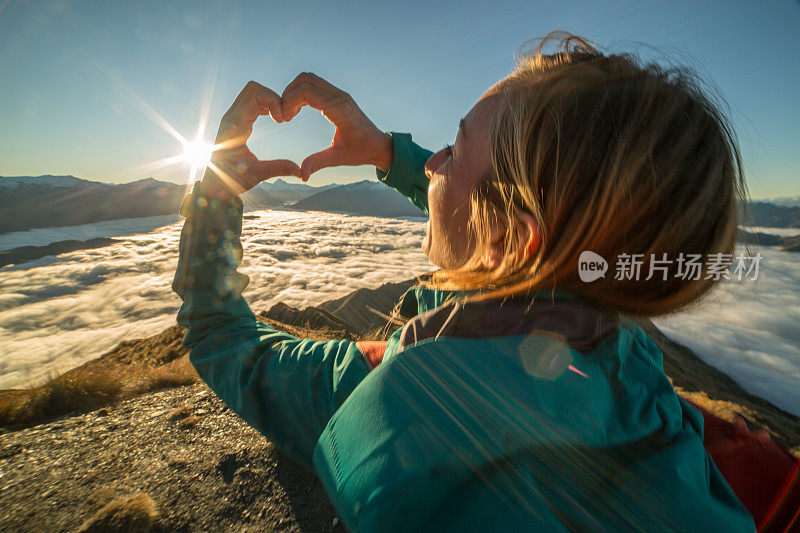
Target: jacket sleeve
<point>287,388</point>
<point>407,173</point>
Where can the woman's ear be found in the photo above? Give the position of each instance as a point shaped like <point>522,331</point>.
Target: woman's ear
<point>530,239</point>
<point>494,255</point>
<point>532,234</point>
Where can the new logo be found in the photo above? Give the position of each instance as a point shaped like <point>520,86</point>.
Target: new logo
<point>591,266</point>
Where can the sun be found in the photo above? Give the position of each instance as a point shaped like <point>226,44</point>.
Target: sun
<point>197,153</point>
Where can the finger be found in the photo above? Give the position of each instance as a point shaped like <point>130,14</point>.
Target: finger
<point>313,79</point>
<point>330,157</point>
<point>323,91</point>
<point>309,77</point>
<point>335,108</point>
<point>256,97</point>
<point>275,110</point>
<point>249,104</point>
<point>276,167</point>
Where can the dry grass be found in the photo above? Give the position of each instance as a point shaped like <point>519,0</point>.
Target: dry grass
<point>59,395</point>
<point>86,389</point>
<point>137,513</point>
<point>177,373</point>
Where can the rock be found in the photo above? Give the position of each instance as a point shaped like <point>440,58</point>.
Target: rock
<point>189,422</point>
<point>180,413</point>
<point>132,514</point>
<point>10,451</point>
<point>311,317</point>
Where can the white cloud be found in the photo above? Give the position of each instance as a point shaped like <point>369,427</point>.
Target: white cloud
<point>781,232</point>
<point>750,329</point>
<point>58,312</point>
<point>109,228</point>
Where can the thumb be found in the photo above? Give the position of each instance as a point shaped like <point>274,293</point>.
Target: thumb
<point>276,167</point>
<point>329,157</point>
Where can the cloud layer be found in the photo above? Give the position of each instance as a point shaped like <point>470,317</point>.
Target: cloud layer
<point>750,330</point>
<point>56,313</point>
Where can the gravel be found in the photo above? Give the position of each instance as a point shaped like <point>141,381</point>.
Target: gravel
<point>205,469</point>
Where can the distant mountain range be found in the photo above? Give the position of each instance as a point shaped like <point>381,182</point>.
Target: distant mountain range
<point>787,244</point>
<point>774,216</point>
<point>367,198</point>
<point>291,192</point>
<point>28,202</point>
<point>785,201</point>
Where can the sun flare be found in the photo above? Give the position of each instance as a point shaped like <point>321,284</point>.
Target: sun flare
<point>197,153</point>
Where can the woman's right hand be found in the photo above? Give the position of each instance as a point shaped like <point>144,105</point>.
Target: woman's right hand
<point>357,141</point>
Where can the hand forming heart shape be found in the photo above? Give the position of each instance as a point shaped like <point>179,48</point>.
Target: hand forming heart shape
<point>357,141</point>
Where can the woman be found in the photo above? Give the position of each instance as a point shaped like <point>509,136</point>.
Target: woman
<point>518,395</point>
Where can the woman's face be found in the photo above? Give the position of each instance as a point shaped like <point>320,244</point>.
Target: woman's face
<point>454,172</point>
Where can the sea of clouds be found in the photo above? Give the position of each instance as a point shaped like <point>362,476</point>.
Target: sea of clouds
<point>750,329</point>
<point>58,312</point>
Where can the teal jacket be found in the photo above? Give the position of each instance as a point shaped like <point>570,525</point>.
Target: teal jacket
<point>545,413</point>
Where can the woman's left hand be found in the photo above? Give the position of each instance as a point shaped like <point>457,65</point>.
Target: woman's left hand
<point>233,168</point>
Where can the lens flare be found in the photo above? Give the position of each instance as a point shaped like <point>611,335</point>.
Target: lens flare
<point>198,154</point>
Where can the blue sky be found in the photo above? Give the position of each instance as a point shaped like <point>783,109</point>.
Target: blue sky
<point>79,79</point>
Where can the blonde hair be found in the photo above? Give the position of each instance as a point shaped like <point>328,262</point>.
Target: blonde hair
<point>611,156</point>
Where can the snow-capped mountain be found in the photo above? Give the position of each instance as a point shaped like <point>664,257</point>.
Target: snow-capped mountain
<point>29,202</point>
<point>289,191</point>
<point>18,183</point>
<point>369,198</point>
<point>786,201</point>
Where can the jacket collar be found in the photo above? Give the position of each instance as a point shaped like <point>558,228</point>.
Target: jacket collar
<point>558,314</point>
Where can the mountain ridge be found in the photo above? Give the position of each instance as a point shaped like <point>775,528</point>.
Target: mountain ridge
<point>30,202</point>
<point>364,198</point>
<point>771,215</point>
<point>289,192</point>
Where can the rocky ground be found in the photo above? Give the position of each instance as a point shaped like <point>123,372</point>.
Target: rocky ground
<point>193,464</point>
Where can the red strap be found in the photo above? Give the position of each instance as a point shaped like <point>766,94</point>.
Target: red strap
<point>784,514</point>
<point>372,351</point>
